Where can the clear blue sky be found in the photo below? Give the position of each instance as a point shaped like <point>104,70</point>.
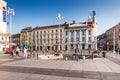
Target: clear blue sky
<point>43,12</point>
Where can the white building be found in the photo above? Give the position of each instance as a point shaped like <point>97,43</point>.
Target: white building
<point>4,37</point>
<point>81,35</point>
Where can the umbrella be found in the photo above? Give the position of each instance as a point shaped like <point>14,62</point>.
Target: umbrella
<point>12,44</point>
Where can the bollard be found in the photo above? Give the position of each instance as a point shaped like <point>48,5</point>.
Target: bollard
<point>83,57</point>
<point>66,58</point>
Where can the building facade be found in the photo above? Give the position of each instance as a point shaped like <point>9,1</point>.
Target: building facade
<point>4,36</point>
<point>16,38</point>
<point>48,37</point>
<point>102,42</point>
<point>3,17</point>
<point>81,35</point>
<point>66,36</point>
<point>113,37</point>
<point>26,37</point>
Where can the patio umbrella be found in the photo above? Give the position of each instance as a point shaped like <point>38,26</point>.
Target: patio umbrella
<point>12,44</point>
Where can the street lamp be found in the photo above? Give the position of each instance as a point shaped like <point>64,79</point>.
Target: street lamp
<point>11,13</point>
<point>107,46</point>
<point>114,41</point>
<point>59,18</point>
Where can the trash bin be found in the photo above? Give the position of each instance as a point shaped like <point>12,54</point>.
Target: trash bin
<point>66,58</point>
<point>83,57</point>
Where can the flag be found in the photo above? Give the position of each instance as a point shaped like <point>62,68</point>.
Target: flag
<point>4,14</point>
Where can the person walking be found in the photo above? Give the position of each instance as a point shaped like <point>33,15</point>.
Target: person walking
<point>33,53</point>
<point>118,50</point>
<point>10,51</point>
<point>17,51</point>
<point>25,51</point>
<point>37,55</point>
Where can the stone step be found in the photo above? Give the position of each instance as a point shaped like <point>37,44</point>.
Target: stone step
<point>51,56</point>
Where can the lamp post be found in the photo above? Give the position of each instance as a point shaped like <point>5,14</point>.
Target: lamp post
<point>11,13</point>
<point>114,41</point>
<point>59,18</point>
<point>107,46</point>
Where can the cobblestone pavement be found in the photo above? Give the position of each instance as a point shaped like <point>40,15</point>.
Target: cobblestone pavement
<point>31,69</point>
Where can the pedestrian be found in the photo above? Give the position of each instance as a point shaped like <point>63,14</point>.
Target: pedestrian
<point>10,51</point>
<point>119,50</point>
<point>76,56</point>
<point>104,54</point>
<point>17,51</point>
<point>25,51</point>
<point>33,53</point>
<point>75,51</point>
<point>37,55</point>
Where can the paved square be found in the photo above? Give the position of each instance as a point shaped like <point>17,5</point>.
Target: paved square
<point>31,69</point>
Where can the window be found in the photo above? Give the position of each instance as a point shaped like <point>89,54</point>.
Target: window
<point>66,40</point>
<point>44,32</point>
<point>83,39</point>
<point>37,33</point>
<point>95,38</point>
<point>83,46</point>
<point>89,46</point>
<point>56,41</point>
<point>60,30</point>
<point>41,41</point>
<point>52,35</point>
<point>72,39</point>
<point>52,31</point>
<point>77,39</point>
<point>89,39</point>
<point>66,33</point>
<point>56,30</point>
<point>83,32</point>
<point>2,38</point>
<point>72,33</point>
<point>89,32</point>
<point>48,40</point>
<point>77,33</point>
<point>33,33</point>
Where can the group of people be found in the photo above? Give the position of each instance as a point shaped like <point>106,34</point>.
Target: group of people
<point>18,51</point>
<point>22,51</point>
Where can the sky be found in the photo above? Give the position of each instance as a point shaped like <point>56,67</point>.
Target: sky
<point>43,12</point>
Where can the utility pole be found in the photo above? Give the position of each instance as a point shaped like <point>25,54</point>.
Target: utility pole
<point>59,18</point>
<point>114,41</point>
<point>11,13</point>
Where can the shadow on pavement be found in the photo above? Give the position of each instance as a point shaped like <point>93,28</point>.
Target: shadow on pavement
<point>61,72</point>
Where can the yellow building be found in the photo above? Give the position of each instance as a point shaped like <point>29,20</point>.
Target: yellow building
<point>26,37</point>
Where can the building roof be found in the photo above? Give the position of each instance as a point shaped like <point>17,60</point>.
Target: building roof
<point>26,29</point>
<point>82,25</point>
<point>51,26</point>
<point>118,25</point>
<point>16,35</point>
